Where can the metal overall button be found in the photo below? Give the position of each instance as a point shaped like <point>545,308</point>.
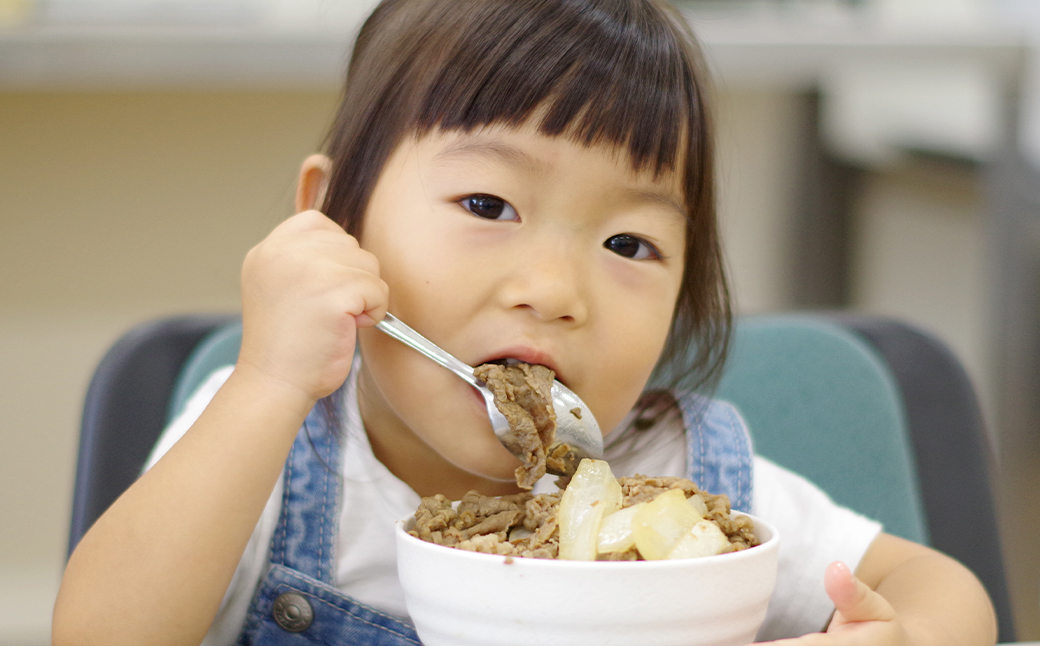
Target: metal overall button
<point>293,612</point>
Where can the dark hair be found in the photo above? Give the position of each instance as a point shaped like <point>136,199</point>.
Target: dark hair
<point>622,72</point>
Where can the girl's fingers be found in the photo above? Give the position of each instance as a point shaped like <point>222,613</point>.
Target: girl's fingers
<point>854,601</point>
<point>365,320</point>
<point>306,288</point>
<point>317,236</point>
<point>365,297</point>
<point>861,615</point>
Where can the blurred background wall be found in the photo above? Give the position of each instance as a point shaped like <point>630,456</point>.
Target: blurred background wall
<point>116,208</point>
<point>865,155</point>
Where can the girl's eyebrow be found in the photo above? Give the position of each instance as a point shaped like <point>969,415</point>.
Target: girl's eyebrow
<point>493,150</point>
<point>644,196</point>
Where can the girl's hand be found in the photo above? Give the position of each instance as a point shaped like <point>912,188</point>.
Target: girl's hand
<point>306,288</point>
<point>861,615</point>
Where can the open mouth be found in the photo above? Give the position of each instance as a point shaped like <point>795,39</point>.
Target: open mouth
<point>512,361</point>
<point>508,361</point>
<point>522,354</point>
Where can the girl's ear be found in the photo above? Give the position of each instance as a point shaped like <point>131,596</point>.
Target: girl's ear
<point>314,180</point>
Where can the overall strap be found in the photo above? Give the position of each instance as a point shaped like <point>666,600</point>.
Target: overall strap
<point>718,452</point>
<point>305,537</point>
<point>297,602</point>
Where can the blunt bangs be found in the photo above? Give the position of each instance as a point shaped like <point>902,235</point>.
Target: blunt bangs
<point>597,72</point>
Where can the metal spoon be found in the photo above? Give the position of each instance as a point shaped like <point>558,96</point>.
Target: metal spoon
<point>576,428</point>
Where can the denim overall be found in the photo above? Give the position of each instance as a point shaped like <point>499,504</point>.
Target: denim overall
<point>297,603</point>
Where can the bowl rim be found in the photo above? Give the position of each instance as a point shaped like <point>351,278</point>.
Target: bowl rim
<point>524,561</point>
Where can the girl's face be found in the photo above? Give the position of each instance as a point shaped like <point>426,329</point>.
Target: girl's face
<point>506,243</point>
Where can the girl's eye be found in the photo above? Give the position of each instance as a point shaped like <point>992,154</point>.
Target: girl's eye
<point>489,207</point>
<point>632,247</point>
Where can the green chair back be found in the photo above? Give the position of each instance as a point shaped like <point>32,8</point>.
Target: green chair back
<point>820,401</point>
<point>217,350</point>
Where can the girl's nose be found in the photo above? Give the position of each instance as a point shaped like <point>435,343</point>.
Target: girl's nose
<point>549,286</point>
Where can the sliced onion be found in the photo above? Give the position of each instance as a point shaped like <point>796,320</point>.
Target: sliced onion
<point>659,526</point>
<point>704,539</point>
<point>697,503</point>
<point>592,494</point>
<point>615,532</point>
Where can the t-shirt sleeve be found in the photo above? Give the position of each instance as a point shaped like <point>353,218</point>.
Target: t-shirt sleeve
<point>253,564</point>
<point>197,403</point>
<point>814,531</point>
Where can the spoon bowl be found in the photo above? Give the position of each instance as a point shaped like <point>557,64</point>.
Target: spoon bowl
<point>577,433</point>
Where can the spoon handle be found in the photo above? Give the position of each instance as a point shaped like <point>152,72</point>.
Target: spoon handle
<point>394,327</point>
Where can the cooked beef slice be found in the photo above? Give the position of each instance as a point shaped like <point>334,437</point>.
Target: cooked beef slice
<point>523,394</point>
<point>527,525</point>
<point>640,488</point>
<point>483,524</point>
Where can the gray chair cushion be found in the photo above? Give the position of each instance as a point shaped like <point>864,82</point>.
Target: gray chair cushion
<point>125,411</point>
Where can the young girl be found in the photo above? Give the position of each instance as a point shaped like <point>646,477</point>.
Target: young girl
<point>514,178</point>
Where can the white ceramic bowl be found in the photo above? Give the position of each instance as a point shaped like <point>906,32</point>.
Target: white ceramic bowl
<point>460,598</point>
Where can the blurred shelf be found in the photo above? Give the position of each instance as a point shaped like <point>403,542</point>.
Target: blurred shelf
<point>797,55</point>
<point>109,58</point>
<point>785,54</point>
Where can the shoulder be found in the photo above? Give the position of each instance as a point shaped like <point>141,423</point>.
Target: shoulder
<point>719,452</point>
<point>805,513</point>
<point>672,411</point>
<point>700,410</point>
<point>714,421</point>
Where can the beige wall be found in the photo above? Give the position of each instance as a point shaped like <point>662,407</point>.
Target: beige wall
<point>113,209</point>
<point>759,152</point>
<point>920,253</point>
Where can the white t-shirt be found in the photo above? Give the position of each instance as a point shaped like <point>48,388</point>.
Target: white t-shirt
<point>815,530</point>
